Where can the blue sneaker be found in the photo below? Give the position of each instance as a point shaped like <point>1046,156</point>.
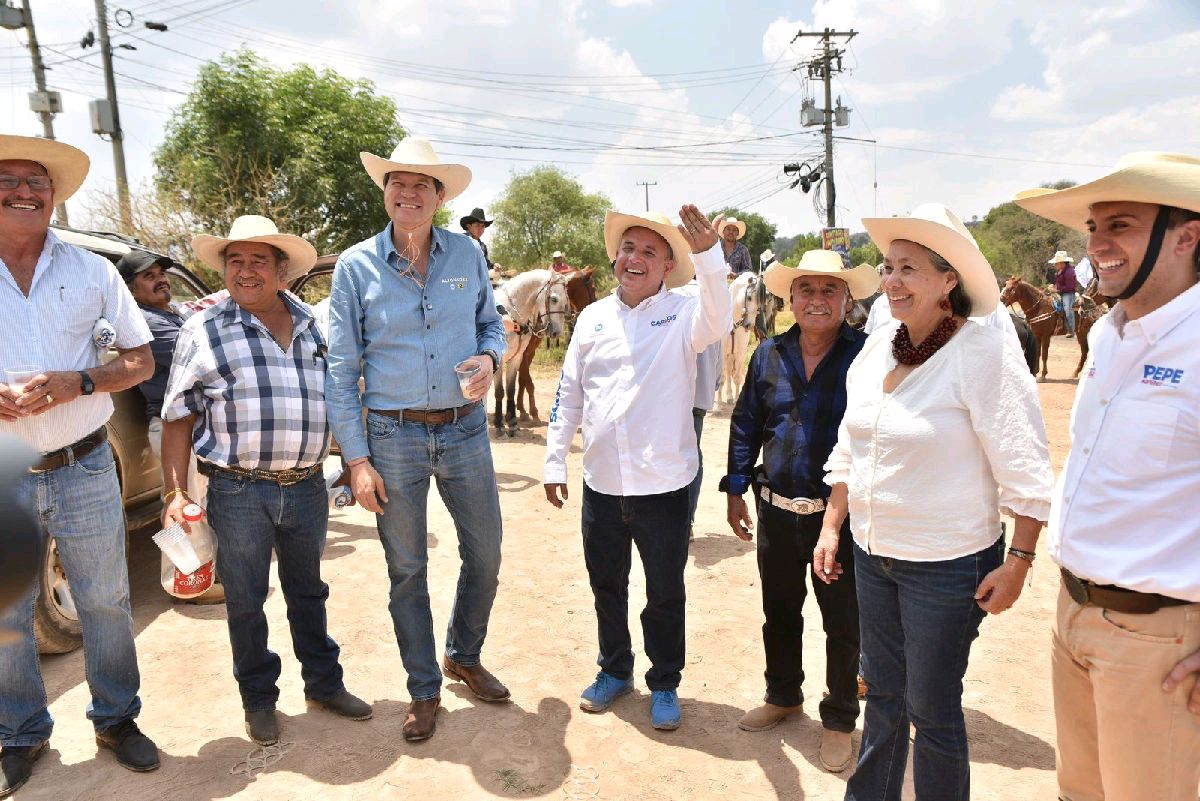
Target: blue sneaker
<point>604,690</point>
<point>664,709</point>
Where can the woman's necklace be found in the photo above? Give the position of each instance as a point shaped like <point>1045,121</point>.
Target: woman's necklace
<point>905,352</point>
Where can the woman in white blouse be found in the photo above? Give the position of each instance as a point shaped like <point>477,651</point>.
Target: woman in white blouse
<point>942,432</point>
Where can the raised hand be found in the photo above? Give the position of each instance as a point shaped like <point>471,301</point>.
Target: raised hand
<point>697,230</point>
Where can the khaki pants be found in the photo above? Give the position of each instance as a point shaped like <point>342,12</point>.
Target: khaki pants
<point>1120,737</point>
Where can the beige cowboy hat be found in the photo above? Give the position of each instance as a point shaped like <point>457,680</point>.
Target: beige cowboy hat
<point>741,226</point>
<point>417,155</point>
<point>766,255</point>
<point>939,229</point>
<point>558,254</point>
<point>617,223</point>
<point>1165,179</point>
<point>862,280</point>
<point>1061,256</point>
<point>253,228</point>
<point>67,166</point>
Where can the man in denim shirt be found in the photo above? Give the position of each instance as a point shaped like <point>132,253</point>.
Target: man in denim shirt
<point>406,306</point>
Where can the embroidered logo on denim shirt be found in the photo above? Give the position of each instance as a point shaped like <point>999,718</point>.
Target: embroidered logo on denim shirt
<point>664,320</point>
<point>456,283</point>
<point>1157,376</point>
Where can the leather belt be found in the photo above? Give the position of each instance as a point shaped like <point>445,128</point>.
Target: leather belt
<point>1118,599</point>
<point>72,453</point>
<point>798,506</point>
<point>433,417</point>
<point>284,478</point>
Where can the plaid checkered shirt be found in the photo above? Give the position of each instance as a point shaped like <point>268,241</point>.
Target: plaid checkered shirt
<point>257,406</point>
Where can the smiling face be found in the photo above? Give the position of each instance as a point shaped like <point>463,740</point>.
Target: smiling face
<point>1119,234</point>
<point>253,274</point>
<point>819,303</point>
<point>25,211</point>
<point>411,199</point>
<point>913,285</point>
<point>643,260</point>
<point>150,287</point>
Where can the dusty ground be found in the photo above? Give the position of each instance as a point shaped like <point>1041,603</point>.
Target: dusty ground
<point>542,644</point>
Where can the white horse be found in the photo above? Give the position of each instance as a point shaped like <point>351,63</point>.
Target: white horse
<point>535,305</point>
<point>743,294</point>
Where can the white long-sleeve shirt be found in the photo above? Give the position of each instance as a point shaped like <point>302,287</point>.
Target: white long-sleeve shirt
<point>629,378</point>
<point>930,465</point>
<point>1124,510</point>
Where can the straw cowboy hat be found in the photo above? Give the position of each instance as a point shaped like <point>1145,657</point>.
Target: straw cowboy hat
<point>616,224</point>
<point>862,280</point>
<point>766,256</point>
<point>939,229</point>
<point>741,226</point>
<point>1061,256</point>
<point>416,155</point>
<point>67,166</point>
<point>1165,179</point>
<point>253,228</point>
<point>476,216</point>
<point>558,254</point>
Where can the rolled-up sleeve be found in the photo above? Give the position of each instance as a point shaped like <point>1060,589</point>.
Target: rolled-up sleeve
<point>346,347</point>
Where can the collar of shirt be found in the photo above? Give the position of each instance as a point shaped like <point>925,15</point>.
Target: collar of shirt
<point>1160,322</point>
<point>232,314</point>
<point>385,245</point>
<point>623,307</point>
<point>169,314</point>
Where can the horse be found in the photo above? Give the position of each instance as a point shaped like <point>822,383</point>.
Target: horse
<point>743,293</point>
<point>1040,314</point>
<point>1087,312</point>
<point>535,303</point>
<point>581,292</point>
<point>768,307</point>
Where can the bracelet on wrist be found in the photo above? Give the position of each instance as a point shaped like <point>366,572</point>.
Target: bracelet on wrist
<point>172,493</point>
<point>1028,556</point>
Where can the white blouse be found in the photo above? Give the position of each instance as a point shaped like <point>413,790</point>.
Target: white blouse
<point>930,465</point>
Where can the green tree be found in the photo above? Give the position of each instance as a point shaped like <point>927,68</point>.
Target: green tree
<point>253,139</point>
<point>1017,242</point>
<point>760,234</point>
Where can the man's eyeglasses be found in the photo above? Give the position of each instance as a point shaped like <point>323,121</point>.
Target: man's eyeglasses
<point>35,182</point>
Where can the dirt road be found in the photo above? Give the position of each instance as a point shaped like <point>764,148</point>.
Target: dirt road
<point>542,644</point>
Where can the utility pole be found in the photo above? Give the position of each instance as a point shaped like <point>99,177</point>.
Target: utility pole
<point>825,68</point>
<point>647,184</point>
<point>118,136</point>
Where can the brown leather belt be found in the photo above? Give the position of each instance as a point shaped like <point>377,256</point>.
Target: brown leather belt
<point>72,453</point>
<point>285,478</point>
<point>433,417</point>
<point>1118,599</point>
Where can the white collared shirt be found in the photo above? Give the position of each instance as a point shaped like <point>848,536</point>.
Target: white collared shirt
<point>629,378</point>
<point>52,329</point>
<point>1125,508</point>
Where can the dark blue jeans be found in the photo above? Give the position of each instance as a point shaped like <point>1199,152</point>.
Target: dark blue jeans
<point>919,620</point>
<point>250,518</point>
<point>658,524</point>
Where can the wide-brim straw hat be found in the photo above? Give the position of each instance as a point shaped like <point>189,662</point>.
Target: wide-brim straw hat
<point>417,156</point>
<point>862,280</point>
<point>741,226</point>
<point>617,223</point>
<point>939,229</point>
<point>254,228</point>
<point>1060,256</point>
<point>67,166</point>
<point>766,255</point>
<point>1165,179</point>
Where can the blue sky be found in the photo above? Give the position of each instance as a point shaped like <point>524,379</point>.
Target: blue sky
<point>1032,91</point>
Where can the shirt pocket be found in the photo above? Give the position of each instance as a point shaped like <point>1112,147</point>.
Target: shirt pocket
<point>78,310</point>
<point>1137,438</point>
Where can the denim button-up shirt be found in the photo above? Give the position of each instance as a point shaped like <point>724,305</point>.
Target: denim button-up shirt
<point>401,337</point>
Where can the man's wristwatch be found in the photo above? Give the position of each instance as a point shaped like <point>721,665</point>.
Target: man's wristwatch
<point>495,359</point>
<point>86,385</point>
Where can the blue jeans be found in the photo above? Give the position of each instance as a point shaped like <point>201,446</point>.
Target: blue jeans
<point>250,518</point>
<point>658,524</point>
<point>80,506</point>
<point>694,487</point>
<point>1068,301</point>
<point>918,622</point>
<point>458,456</point>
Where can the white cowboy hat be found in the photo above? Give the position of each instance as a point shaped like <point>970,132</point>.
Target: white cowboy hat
<point>1165,179</point>
<point>939,229</point>
<point>253,228</point>
<point>766,255</point>
<point>741,226</point>
<point>416,155</point>
<point>1060,256</point>
<point>67,166</point>
<point>616,224</point>
<point>862,280</point>
<point>558,254</point>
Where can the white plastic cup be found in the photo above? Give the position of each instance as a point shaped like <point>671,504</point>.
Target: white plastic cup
<point>466,370</point>
<point>18,377</point>
<point>173,542</point>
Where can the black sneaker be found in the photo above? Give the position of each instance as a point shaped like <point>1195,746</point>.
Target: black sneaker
<point>133,749</point>
<point>16,766</point>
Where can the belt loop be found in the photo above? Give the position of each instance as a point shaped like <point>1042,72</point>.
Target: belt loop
<point>70,456</point>
<point>454,418</point>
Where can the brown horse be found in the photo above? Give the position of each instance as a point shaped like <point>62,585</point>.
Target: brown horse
<point>581,292</point>
<point>1039,313</point>
<point>1087,312</point>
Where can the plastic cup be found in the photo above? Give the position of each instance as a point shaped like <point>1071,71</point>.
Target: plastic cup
<point>465,371</point>
<point>18,377</point>
<point>174,543</point>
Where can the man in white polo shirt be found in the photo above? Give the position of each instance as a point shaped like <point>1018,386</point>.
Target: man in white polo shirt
<point>629,377</point>
<point>1123,526</point>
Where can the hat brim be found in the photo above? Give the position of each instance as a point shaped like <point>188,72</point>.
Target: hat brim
<point>615,226</point>
<point>465,221</point>
<point>1163,183</point>
<point>741,226</point>
<point>67,166</point>
<point>979,281</point>
<point>862,282</point>
<point>301,255</point>
<point>454,177</point>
